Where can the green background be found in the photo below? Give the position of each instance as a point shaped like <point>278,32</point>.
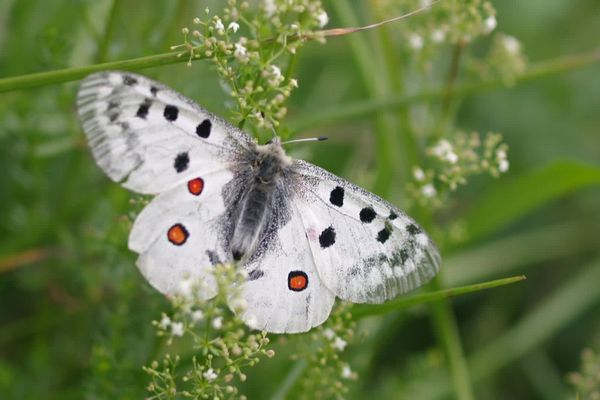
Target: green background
<point>75,315</point>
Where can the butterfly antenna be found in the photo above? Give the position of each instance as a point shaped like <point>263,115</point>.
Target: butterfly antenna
<point>314,139</point>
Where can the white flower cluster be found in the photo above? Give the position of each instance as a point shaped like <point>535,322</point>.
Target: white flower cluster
<point>242,45</point>
<point>337,342</point>
<point>455,159</point>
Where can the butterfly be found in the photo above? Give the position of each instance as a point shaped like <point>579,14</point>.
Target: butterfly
<point>303,235</point>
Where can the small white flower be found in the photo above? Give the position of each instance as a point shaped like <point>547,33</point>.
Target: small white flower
<point>210,375</point>
<point>346,372</point>
<point>275,76</point>
<point>428,190</point>
<point>442,148</point>
<point>339,343</point>
<point>451,157</point>
<point>177,328</point>
<point>270,7</point>
<point>489,24</point>
<point>234,26</point>
<point>294,83</point>
<point>252,322</point>
<point>418,174</point>
<point>241,53</point>
<point>239,304</point>
<point>503,166</point>
<point>415,41</point>
<point>197,21</point>
<point>501,155</point>
<point>511,44</point>
<point>438,36</point>
<point>217,323</point>
<point>197,315</point>
<point>219,24</point>
<point>328,333</point>
<point>275,71</point>
<point>165,322</point>
<point>185,288</point>
<point>323,19</point>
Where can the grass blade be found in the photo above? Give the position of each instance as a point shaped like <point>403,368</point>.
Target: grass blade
<point>362,311</point>
<point>511,199</point>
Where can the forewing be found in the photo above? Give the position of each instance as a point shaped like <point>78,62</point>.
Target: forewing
<point>284,292</point>
<point>365,249</point>
<point>150,137</point>
<point>181,234</point>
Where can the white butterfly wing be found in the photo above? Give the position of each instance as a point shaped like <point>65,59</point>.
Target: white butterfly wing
<point>180,235</point>
<point>284,291</point>
<point>150,137</point>
<point>365,249</point>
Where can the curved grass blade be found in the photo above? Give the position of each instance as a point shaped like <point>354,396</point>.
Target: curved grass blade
<point>363,310</point>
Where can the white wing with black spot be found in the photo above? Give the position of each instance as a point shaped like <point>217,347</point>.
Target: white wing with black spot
<point>284,291</point>
<point>150,137</point>
<point>365,249</point>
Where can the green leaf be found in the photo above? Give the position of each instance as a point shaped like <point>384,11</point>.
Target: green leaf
<point>362,311</point>
<point>509,200</point>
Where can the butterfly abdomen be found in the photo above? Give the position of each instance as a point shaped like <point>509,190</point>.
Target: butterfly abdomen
<point>256,203</point>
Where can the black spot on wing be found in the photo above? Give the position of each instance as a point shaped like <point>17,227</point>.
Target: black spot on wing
<point>171,112</point>
<point>203,128</point>
<point>153,90</point>
<point>129,80</point>
<point>413,229</point>
<point>327,237</point>
<point>367,214</point>
<point>383,235</point>
<point>213,257</point>
<point>142,111</point>
<point>404,255</point>
<point>337,196</point>
<point>181,162</point>
<point>237,255</point>
<point>393,215</point>
<point>255,274</point>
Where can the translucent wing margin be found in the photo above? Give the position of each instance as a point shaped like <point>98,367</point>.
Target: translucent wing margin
<point>365,249</point>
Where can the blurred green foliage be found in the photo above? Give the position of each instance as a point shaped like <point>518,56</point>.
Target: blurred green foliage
<point>75,315</point>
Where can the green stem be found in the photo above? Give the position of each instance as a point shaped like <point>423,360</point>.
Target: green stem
<point>376,85</point>
<point>290,379</point>
<point>451,80</point>
<point>406,136</point>
<point>362,109</point>
<point>448,334</point>
<point>108,32</point>
<point>71,74</point>
<point>361,311</point>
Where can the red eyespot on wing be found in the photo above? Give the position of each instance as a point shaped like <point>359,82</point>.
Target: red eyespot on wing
<point>177,234</point>
<point>196,186</point>
<point>297,281</point>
